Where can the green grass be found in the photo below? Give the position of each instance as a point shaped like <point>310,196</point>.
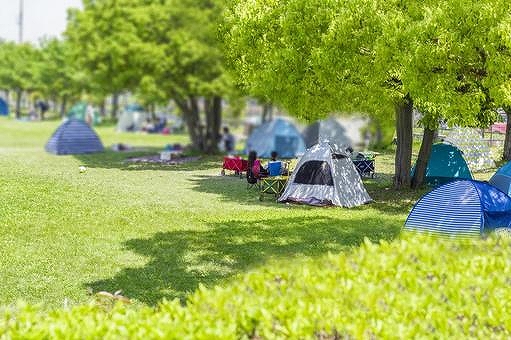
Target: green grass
<point>155,231</point>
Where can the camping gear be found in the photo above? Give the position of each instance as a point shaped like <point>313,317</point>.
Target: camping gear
<point>464,209</point>
<point>475,150</point>
<point>4,108</point>
<point>325,175</point>
<point>132,118</point>
<point>345,131</point>
<point>502,179</point>
<point>274,168</point>
<point>278,135</point>
<point>85,112</point>
<point>235,164</point>
<point>273,185</point>
<point>364,164</point>
<point>74,137</point>
<point>445,164</point>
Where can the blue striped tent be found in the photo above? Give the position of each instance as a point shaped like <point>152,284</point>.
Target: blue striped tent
<point>74,137</point>
<point>502,178</point>
<point>462,208</point>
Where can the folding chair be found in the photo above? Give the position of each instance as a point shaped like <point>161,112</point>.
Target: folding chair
<point>253,174</point>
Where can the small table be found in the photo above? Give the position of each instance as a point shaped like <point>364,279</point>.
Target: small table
<point>273,185</point>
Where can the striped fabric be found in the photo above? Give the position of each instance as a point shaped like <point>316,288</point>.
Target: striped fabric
<point>453,210</point>
<point>74,137</point>
<point>461,209</point>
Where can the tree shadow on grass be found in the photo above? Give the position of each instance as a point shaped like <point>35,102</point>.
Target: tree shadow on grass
<point>179,260</point>
<point>110,159</point>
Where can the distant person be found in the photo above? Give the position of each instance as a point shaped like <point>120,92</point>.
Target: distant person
<point>274,158</point>
<point>228,141</point>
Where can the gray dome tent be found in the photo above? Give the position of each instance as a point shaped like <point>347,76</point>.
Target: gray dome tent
<point>278,135</point>
<point>345,131</point>
<point>326,175</point>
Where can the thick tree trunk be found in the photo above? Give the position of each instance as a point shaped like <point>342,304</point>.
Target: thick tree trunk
<point>422,160</point>
<point>18,103</point>
<point>63,106</point>
<point>507,141</point>
<point>115,105</point>
<point>190,110</point>
<point>213,122</point>
<point>403,157</point>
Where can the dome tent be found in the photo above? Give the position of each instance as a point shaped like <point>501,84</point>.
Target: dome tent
<point>502,179</point>
<point>445,164</point>
<point>84,111</point>
<point>342,131</point>
<point>74,137</point>
<point>325,175</point>
<point>278,135</point>
<point>4,108</point>
<point>132,118</point>
<point>464,209</point>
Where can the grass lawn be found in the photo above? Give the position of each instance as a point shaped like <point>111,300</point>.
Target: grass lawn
<point>156,231</point>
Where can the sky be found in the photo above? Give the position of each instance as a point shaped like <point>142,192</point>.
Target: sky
<point>41,18</point>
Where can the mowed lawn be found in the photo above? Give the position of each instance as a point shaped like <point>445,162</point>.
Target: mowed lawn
<point>155,231</point>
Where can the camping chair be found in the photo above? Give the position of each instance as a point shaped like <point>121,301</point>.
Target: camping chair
<point>253,174</point>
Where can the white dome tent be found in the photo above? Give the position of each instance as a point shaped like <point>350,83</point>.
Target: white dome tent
<point>325,175</point>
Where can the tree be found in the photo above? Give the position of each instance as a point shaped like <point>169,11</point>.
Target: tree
<point>58,74</point>
<point>319,56</point>
<point>103,38</point>
<point>188,63</point>
<point>18,69</point>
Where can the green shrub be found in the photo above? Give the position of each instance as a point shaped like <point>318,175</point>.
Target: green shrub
<point>417,287</point>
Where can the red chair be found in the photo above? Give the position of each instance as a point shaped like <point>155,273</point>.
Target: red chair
<point>236,164</point>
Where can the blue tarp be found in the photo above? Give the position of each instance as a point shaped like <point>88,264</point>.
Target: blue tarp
<point>462,208</point>
<point>502,178</point>
<point>445,164</point>
<point>74,137</point>
<point>278,135</point>
<point>4,108</point>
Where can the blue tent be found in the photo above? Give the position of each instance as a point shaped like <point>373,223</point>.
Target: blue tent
<point>462,209</point>
<point>4,108</point>
<point>502,178</point>
<point>74,137</point>
<point>278,135</point>
<point>445,164</point>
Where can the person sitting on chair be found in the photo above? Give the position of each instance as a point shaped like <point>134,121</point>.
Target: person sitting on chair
<point>283,165</point>
<point>255,169</point>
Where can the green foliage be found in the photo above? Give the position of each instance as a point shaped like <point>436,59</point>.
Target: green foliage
<point>315,57</point>
<point>19,66</point>
<point>411,288</point>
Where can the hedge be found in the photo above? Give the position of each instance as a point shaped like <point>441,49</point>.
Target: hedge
<point>418,287</point>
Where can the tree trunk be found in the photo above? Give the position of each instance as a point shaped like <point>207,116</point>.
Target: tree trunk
<point>115,105</point>
<point>102,108</point>
<point>507,141</point>
<point>190,110</point>
<point>404,131</point>
<point>63,105</point>
<point>422,160</point>
<point>267,113</point>
<point>18,103</point>
<point>213,120</point>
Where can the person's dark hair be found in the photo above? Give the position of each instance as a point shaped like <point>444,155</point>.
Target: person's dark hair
<point>226,129</point>
<point>274,155</point>
<point>252,156</point>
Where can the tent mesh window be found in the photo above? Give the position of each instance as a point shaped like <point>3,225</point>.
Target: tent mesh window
<point>315,173</point>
